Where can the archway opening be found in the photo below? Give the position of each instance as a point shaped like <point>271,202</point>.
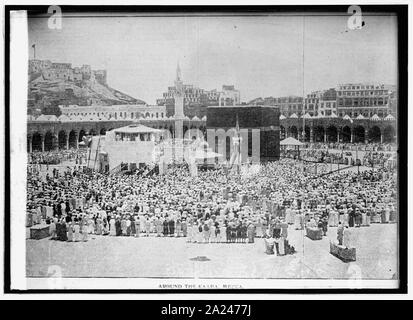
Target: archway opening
<point>82,133</point>
<point>72,139</point>
<point>37,142</point>
<point>102,131</point>
<point>48,141</point>
<point>294,132</point>
<point>389,134</point>
<point>62,139</point>
<point>331,134</point>
<point>374,134</point>
<point>318,134</point>
<point>359,135</point>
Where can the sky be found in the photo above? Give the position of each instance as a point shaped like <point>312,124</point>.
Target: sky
<point>261,55</point>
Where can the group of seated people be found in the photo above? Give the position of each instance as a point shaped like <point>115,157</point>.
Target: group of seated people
<point>57,156</point>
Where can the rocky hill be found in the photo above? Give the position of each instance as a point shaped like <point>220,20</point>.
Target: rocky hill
<point>43,92</point>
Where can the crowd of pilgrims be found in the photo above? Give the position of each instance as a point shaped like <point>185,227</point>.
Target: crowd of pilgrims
<point>213,207</point>
<point>352,146</point>
<point>369,158</point>
<point>57,156</point>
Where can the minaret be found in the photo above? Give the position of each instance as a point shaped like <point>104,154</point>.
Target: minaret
<point>179,95</point>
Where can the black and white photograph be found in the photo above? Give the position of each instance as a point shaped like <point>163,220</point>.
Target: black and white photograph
<point>211,149</point>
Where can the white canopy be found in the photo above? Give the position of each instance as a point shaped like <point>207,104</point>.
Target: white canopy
<point>290,141</point>
<point>346,117</point>
<point>307,116</point>
<point>204,118</point>
<point>294,116</point>
<point>360,117</point>
<point>333,115</point>
<point>389,117</point>
<point>195,118</point>
<point>282,117</point>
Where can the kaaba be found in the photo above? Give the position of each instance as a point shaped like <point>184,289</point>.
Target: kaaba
<point>264,118</point>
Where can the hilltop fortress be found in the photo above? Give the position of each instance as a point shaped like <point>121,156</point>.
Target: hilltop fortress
<point>64,71</point>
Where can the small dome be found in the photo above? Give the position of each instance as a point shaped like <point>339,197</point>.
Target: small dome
<point>63,118</point>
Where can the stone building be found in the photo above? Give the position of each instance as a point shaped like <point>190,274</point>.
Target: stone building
<point>64,71</point>
<point>287,105</point>
<point>126,111</point>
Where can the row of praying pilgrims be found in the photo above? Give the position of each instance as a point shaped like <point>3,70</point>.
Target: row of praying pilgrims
<point>177,204</point>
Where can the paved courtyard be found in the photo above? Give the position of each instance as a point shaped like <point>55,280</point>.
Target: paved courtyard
<point>104,256</point>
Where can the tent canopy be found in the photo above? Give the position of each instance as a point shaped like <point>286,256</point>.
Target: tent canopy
<point>290,141</point>
<point>390,117</point>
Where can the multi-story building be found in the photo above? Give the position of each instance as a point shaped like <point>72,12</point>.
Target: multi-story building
<point>38,65</point>
<point>197,96</point>
<point>327,103</point>
<point>311,103</point>
<point>354,99</point>
<point>287,105</point>
<point>350,99</point>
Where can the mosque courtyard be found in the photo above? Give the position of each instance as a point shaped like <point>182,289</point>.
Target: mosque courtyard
<point>152,257</point>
